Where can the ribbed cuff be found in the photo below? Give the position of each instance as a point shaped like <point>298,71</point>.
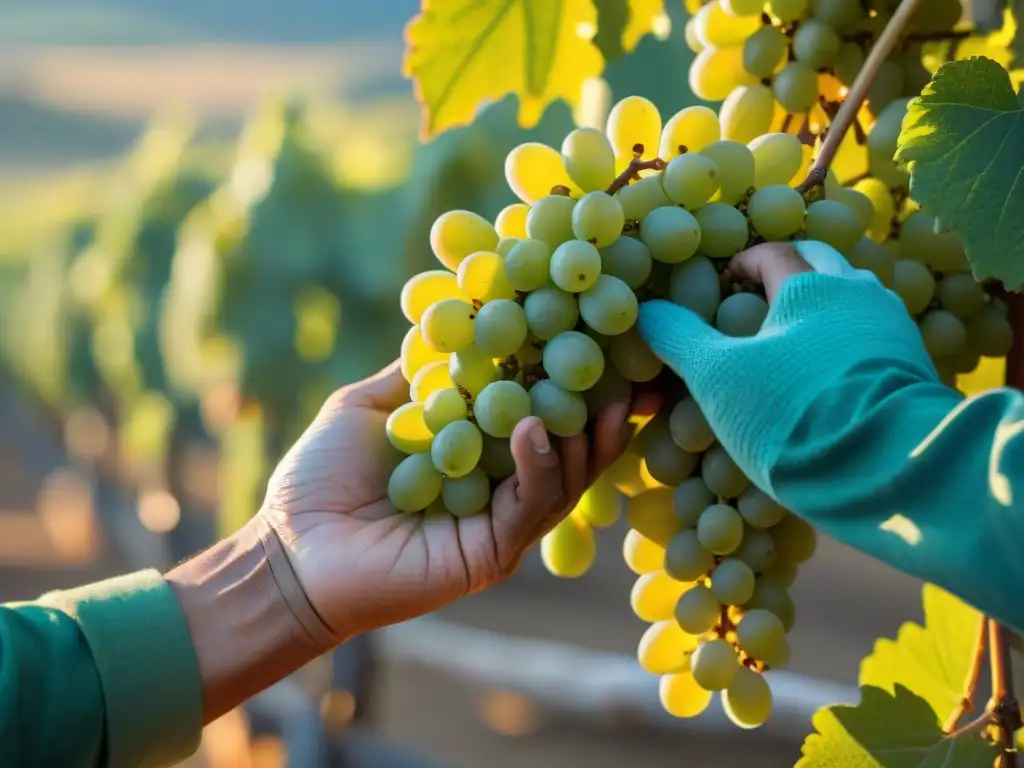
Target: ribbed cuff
<point>136,631</point>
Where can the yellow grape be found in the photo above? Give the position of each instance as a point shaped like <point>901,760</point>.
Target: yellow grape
<point>482,278</point>
<point>851,161</point>
<point>653,514</point>
<point>778,158</point>
<point>881,200</point>
<point>634,120</point>
<point>416,353</point>
<point>693,128</point>
<point>681,696</point>
<point>456,234</point>
<point>715,72</point>
<point>690,35</point>
<point>627,474</point>
<point>532,169</point>
<point>655,595</point>
<point>601,503</point>
<point>665,648</point>
<point>641,554</point>
<point>424,289</point>
<point>748,699</point>
<point>595,99</point>
<point>747,113</point>
<point>429,379</point>
<point>511,221</point>
<point>568,550</point>
<point>589,159</point>
<point>717,29</point>
<point>407,430</point>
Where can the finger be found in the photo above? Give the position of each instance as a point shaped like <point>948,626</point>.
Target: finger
<point>534,492</point>
<point>574,452</point>
<point>612,432</point>
<point>769,264</point>
<point>384,391</point>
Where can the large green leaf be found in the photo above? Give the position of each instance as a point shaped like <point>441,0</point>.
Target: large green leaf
<point>963,139</point>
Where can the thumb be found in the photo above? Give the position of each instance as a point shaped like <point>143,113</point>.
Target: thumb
<point>679,336</point>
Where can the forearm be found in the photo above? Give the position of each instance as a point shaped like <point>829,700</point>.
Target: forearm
<point>910,472</point>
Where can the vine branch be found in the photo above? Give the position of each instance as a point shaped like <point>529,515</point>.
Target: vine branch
<point>1004,707</point>
<point>966,703</point>
<point>847,113</point>
<point>632,172</point>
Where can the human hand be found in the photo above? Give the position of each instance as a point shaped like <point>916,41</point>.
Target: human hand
<point>362,564</point>
<point>826,320</point>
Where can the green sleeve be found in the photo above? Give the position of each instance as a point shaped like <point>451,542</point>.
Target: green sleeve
<point>103,675</point>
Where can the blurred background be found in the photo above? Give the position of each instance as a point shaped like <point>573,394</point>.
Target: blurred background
<point>207,211</point>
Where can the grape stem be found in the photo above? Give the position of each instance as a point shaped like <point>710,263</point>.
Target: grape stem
<point>632,172</point>
<point>858,92</point>
<point>966,703</point>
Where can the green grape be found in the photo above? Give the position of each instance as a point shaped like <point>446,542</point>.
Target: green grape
<point>414,483</point>
<point>795,539</point>
<point>841,15</point>
<point>717,29</point>
<point>723,230</point>
<point>550,220</point>
<point>964,361</point>
<point>989,333</point>
<point>429,379</point>
<point>599,338</point>
<point>694,284</point>
<point>741,314</point>
<point>690,180</point>
<point>510,223</point>
<point>609,306</point>
<point>833,223</point>
<point>920,241</point>
<point>569,549</point>
<point>500,406</point>
<point>641,197</point>
<point>778,157</point>
<point>532,170</point>
<point>756,550</point>
<point>686,559</point>
<point>857,202</point>
<point>722,475</point>
<point>943,333</point>
<point>575,266</point>
<point>456,449</point>
<point>690,36</point>
<point>424,289</point>
<point>407,429</point>
<point>443,407</point>
<point>936,17</point>
<point>473,369</point>
<point>849,61</point>
<point>416,353</point>
<point>610,388</point>
<point>869,255</point>
<point>627,259</point>
<point>748,699</point>
<point>716,72</point>
<point>732,582</point>
<point>468,495</point>
<point>747,112</point>
<point>500,328</point>
<point>690,498</point>
<point>720,528</point>
<point>887,86</point>
<point>913,283</point>
<point>573,361</point>
<point>589,159</point>
<point>447,326</point>
<point>564,413</point>
<point>776,212</point>
<point>882,167</point>
<point>527,265</point>
<point>816,44</point>
<point>698,610</point>
<point>598,218</point>
<point>549,311</point>
<point>436,508</point>
<point>796,87</point>
<point>505,246</point>
<point>601,503</point>
<point>456,234</point>
<point>633,358</point>
<point>962,295</point>
<point>714,664</point>
<point>671,234</point>
<point>693,128</point>
<point>780,658</point>
<point>735,169</point>
<point>764,50</point>
<point>688,427</point>
<point>885,132</point>
<point>742,7</point>
<point>667,462</point>
<point>634,120</point>
<point>758,509</point>
<point>774,598</point>
<point>787,10</point>
<point>482,278</point>
<point>650,513</point>
<point>496,458</point>
<point>781,572</point>
<point>760,633</point>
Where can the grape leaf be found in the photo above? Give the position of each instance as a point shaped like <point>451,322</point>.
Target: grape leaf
<point>463,54</point>
<point>933,660</point>
<point>891,730</point>
<point>963,141</point>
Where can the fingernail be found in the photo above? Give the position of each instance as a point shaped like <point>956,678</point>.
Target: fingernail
<point>539,438</point>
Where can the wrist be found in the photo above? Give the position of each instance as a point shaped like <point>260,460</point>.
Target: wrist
<point>243,627</point>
